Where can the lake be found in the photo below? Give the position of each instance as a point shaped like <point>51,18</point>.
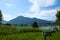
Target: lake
<point>48,27</point>
<point>41,27</point>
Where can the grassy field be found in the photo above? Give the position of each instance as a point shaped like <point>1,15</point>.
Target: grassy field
<point>13,33</point>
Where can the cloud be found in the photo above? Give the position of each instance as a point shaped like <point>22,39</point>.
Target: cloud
<point>7,16</point>
<point>46,15</point>
<point>37,4</point>
<point>36,11</point>
<point>9,5</point>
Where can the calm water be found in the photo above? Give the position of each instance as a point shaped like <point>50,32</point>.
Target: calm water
<point>41,27</point>
<point>48,27</point>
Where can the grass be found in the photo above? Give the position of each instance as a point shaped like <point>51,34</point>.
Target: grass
<point>55,36</point>
<point>23,36</point>
<point>13,33</point>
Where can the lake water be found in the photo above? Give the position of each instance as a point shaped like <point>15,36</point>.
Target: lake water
<point>48,27</point>
<point>41,27</point>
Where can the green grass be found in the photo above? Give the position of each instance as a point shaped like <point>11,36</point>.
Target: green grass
<point>24,36</point>
<point>13,33</point>
<point>55,36</point>
<point>13,30</point>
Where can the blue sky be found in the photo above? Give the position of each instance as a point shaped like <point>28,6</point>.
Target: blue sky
<point>42,9</point>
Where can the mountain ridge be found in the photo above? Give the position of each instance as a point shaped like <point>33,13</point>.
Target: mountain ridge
<point>27,20</point>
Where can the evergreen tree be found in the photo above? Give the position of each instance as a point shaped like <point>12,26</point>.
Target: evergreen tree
<point>35,25</point>
<point>58,18</point>
<point>0,17</point>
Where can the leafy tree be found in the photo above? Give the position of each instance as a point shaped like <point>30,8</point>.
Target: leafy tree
<point>0,17</point>
<point>58,18</point>
<point>35,25</point>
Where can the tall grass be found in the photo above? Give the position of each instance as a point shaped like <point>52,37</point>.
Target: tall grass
<point>13,33</point>
<point>4,29</point>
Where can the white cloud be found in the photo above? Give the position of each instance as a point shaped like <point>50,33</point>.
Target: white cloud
<point>42,14</point>
<point>37,4</point>
<point>35,10</point>
<point>46,15</point>
<point>7,16</point>
<point>9,5</point>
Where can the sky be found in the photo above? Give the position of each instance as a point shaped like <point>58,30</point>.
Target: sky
<point>42,9</point>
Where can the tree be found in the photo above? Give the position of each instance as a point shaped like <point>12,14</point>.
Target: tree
<point>35,25</point>
<point>58,18</point>
<point>0,17</point>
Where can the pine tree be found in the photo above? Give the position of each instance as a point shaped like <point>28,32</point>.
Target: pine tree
<point>0,17</point>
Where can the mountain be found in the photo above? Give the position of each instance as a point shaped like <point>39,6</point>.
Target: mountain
<point>26,20</point>
<point>3,21</point>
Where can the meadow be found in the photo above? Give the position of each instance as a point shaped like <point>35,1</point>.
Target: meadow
<point>13,33</point>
